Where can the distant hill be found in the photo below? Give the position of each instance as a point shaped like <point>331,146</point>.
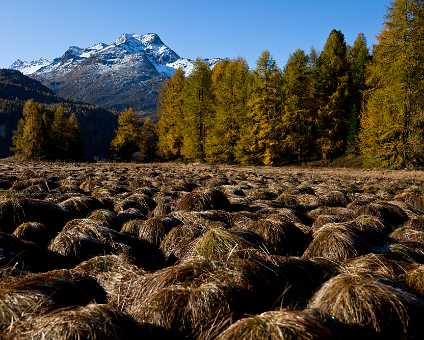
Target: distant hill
<point>128,72</point>
<point>97,125</point>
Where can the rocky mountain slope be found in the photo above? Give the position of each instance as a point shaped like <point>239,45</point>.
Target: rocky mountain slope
<point>126,72</point>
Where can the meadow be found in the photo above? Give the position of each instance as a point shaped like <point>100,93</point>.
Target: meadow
<point>192,251</point>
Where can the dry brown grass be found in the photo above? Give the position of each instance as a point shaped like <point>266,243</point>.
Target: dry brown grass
<point>281,237</point>
<point>338,242</point>
<point>378,265</point>
<point>285,324</point>
<point>211,199</point>
<point>33,232</point>
<point>224,231</point>
<point>93,321</point>
<point>358,300</point>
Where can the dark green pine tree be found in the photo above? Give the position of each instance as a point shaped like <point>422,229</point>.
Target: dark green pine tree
<point>333,96</point>
<point>298,116</point>
<point>261,136</point>
<point>198,112</point>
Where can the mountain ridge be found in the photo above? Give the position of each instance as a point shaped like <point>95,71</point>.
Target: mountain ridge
<point>126,72</point>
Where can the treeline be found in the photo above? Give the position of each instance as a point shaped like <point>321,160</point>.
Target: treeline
<point>46,132</point>
<point>341,101</point>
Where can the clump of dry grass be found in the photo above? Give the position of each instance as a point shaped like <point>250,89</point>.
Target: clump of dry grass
<point>11,212</point>
<point>280,238</point>
<point>205,219</point>
<point>287,200</point>
<point>80,206</point>
<point>85,238</point>
<point>413,196</point>
<point>128,215</point>
<point>63,287</point>
<point>114,273</point>
<point>81,240</point>
<point>104,215</point>
<point>358,300</point>
<point>345,213</point>
<point>22,255</point>
<point>136,201</point>
<point>43,183</point>
<point>416,223</point>
<point>407,250</point>
<point>52,215</point>
<point>414,280</point>
<point>389,214</point>
<point>155,229</point>
<point>212,199</point>
<point>299,278</point>
<point>338,242</point>
<point>164,206</point>
<point>379,265</point>
<point>264,194</point>
<point>178,242</point>
<point>182,274</point>
<point>285,324</point>
<point>18,306</point>
<point>132,227</point>
<point>33,232</point>
<point>407,234</point>
<point>201,312</point>
<point>217,244</point>
<point>333,199</point>
<point>322,220</point>
<point>88,322</point>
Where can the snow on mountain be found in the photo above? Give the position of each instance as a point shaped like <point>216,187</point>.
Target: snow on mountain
<point>126,48</point>
<point>31,67</point>
<point>128,72</point>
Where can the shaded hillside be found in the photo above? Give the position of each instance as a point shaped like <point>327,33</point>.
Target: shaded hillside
<point>97,125</point>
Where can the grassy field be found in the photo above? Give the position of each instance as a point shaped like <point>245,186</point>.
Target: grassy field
<point>176,251</point>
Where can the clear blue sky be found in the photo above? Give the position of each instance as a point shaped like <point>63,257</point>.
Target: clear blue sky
<point>221,28</point>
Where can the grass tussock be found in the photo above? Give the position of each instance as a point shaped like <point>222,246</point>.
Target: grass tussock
<point>363,301</point>
<point>212,199</point>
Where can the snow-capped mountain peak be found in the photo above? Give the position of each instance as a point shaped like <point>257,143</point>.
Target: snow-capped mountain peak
<point>128,72</point>
<point>126,48</point>
<point>29,67</point>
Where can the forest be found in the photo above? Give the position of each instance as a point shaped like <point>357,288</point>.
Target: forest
<point>343,101</point>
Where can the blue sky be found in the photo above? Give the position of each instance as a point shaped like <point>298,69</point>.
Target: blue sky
<point>221,28</point>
